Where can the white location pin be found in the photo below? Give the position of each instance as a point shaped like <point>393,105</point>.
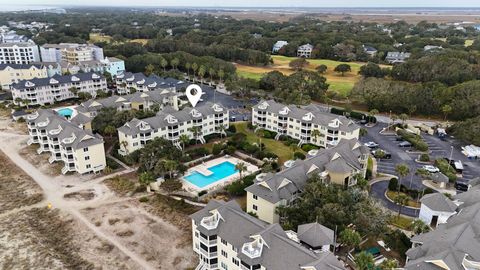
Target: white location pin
<point>194,92</point>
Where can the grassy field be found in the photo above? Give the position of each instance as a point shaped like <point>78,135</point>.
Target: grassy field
<point>342,85</point>
<point>401,222</point>
<point>96,37</point>
<point>411,203</point>
<point>283,152</point>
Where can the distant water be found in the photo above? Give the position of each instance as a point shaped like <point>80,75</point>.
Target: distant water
<point>8,7</point>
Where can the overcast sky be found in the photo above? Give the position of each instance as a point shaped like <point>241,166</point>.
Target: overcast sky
<point>252,3</point>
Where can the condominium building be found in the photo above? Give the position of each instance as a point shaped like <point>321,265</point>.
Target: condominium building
<point>78,149</point>
<point>136,101</point>
<point>225,237</point>
<point>305,51</point>
<point>127,81</point>
<point>454,244</point>
<point>72,53</point>
<point>308,124</point>
<point>338,165</point>
<point>13,73</point>
<point>41,91</point>
<point>18,53</point>
<point>205,119</point>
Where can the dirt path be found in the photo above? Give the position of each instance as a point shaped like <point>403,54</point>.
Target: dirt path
<point>54,189</point>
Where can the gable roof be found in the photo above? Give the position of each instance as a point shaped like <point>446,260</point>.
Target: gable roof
<point>438,202</point>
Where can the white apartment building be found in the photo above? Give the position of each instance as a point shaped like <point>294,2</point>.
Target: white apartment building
<point>13,73</point>
<point>308,124</point>
<point>128,81</point>
<point>79,149</point>
<point>337,165</point>
<point>41,91</point>
<point>203,120</point>
<point>305,51</point>
<point>72,53</point>
<point>226,238</point>
<point>19,53</point>
<point>279,45</point>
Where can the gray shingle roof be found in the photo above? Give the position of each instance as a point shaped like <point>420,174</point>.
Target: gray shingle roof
<point>152,81</point>
<point>58,79</point>
<point>281,253</point>
<point>439,177</point>
<point>315,235</point>
<point>450,242</point>
<point>438,202</point>
<point>320,116</point>
<point>285,184</point>
<point>20,66</point>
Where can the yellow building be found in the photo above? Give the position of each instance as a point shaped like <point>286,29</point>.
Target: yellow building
<point>13,73</point>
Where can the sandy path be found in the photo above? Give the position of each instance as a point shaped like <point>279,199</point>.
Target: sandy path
<point>54,190</point>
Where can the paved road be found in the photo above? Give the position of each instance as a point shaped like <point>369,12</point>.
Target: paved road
<point>378,191</point>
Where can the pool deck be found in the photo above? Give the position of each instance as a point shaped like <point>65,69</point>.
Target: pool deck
<point>73,108</point>
<point>203,169</point>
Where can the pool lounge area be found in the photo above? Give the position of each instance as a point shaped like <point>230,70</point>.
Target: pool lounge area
<point>214,173</point>
<point>67,112</point>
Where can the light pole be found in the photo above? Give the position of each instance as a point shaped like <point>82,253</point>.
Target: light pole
<point>449,160</point>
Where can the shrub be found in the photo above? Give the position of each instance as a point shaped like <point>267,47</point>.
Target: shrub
<point>298,155</point>
<point>217,149</point>
<point>308,147</point>
<point>446,169</point>
<point>424,157</point>
<point>230,150</point>
<point>171,185</point>
<point>112,164</point>
<point>143,199</point>
<point>414,139</point>
<point>232,129</point>
<point>393,184</point>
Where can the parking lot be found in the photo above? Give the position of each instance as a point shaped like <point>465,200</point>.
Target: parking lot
<point>439,149</point>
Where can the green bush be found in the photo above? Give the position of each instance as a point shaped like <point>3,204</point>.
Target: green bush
<point>232,129</point>
<point>424,157</point>
<point>230,150</point>
<point>393,184</point>
<point>298,155</point>
<point>143,199</point>
<point>416,140</point>
<point>112,164</point>
<point>446,169</point>
<point>217,149</point>
<point>308,147</point>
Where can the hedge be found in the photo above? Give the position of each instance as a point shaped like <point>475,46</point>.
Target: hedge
<point>355,115</point>
<point>416,140</point>
<point>446,169</point>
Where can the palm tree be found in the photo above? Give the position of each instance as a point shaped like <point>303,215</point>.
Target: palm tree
<point>211,73</point>
<point>164,64</point>
<point>149,69</point>
<point>402,170</point>
<point>294,148</point>
<point>401,200</point>
<point>364,261</point>
<point>403,117</point>
<point>315,134</point>
<point>194,69</point>
<point>446,109</point>
<point>222,130</point>
<point>174,63</point>
<point>73,90</point>
<point>184,139</point>
<point>241,167</point>
<point>196,131</point>
<point>372,113</point>
<point>201,72</point>
<point>221,74</point>
<point>259,132</point>
<point>171,165</point>
<point>145,179</point>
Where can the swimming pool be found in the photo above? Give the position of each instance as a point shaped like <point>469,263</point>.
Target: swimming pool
<point>65,112</point>
<point>219,172</point>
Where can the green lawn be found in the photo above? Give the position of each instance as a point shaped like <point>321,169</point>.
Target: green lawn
<point>250,75</point>
<point>401,222</point>
<point>283,152</point>
<point>341,88</point>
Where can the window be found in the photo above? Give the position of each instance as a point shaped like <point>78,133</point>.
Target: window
<point>89,166</point>
<point>224,254</point>
<point>255,197</point>
<point>224,242</point>
<point>255,207</point>
<point>224,266</point>
<point>87,158</point>
<point>85,149</point>
<point>236,262</point>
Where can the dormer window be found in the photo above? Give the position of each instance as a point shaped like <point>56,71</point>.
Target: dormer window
<point>308,117</point>
<point>171,119</point>
<point>53,81</point>
<point>29,84</point>
<point>195,113</point>
<point>217,108</point>
<point>142,81</point>
<point>254,249</point>
<point>263,106</point>
<point>75,79</point>
<point>152,85</point>
<point>95,76</point>
<point>131,79</point>
<point>211,222</point>
<point>284,111</point>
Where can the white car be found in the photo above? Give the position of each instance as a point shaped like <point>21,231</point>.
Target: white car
<point>431,169</point>
<point>371,144</point>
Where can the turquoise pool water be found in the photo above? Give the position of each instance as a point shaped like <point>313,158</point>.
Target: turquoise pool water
<point>219,171</point>
<point>65,112</point>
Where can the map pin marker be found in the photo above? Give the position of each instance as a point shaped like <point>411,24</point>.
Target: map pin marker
<point>194,92</point>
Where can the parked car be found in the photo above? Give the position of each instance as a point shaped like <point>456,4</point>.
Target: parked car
<point>405,144</point>
<point>462,185</point>
<point>233,119</point>
<point>399,139</point>
<point>371,145</point>
<point>430,168</point>
<point>378,154</point>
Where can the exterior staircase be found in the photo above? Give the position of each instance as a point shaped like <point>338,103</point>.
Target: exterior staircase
<point>201,266</point>
<point>278,136</point>
<point>64,170</point>
<point>177,144</point>
<point>202,140</point>
<point>300,143</point>
<point>51,159</point>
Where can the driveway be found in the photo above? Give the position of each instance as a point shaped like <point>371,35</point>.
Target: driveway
<point>377,190</point>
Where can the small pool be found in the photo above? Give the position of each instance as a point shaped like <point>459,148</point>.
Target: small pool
<point>65,112</point>
<point>219,172</point>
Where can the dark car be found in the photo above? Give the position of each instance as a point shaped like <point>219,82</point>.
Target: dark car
<point>399,139</point>
<point>405,144</point>
<point>462,185</point>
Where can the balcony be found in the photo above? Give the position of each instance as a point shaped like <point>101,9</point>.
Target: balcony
<point>208,242</point>
<point>209,254</point>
